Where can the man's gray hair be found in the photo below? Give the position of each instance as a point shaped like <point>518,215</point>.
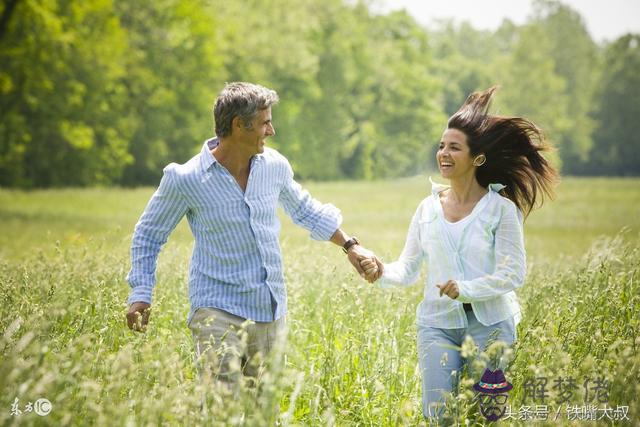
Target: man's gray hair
<point>243,100</point>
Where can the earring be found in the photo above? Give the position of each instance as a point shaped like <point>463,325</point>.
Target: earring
<point>480,160</point>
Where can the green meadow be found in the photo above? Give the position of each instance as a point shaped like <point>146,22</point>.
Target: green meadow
<point>350,358</point>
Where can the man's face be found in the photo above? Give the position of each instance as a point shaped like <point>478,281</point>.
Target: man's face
<point>493,406</point>
<point>253,139</point>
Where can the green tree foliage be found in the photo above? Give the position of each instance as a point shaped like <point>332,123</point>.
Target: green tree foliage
<point>407,109</point>
<point>617,148</point>
<point>60,66</point>
<point>106,92</point>
<point>357,97</point>
<point>376,96</point>
<point>462,60</point>
<point>530,86</point>
<point>173,70</point>
<point>575,58</point>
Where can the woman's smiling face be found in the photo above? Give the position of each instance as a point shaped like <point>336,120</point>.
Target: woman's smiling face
<point>454,156</point>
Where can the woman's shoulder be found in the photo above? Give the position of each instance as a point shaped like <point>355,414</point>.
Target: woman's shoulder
<point>425,209</point>
<point>427,202</point>
<point>503,206</point>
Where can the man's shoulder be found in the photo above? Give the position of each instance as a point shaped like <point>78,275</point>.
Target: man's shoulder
<point>274,156</point>
<point>182,169</point>
<point>276,162</point>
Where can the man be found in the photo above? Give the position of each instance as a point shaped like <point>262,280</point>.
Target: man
<point>229,193</point>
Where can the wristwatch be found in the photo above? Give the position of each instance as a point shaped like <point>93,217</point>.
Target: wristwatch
<point>352,241</point>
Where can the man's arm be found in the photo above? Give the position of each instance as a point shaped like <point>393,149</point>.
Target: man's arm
<point>160,217</point>
<point>357,254</point>
<point>323,221</point>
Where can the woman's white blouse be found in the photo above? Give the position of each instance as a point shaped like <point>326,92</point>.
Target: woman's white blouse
<point>488,263</point>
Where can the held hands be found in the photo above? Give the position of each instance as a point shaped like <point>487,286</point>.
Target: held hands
<point>366,263</point>
<point>372,268</point>
<point>449,289</point>
<point>138,316</point>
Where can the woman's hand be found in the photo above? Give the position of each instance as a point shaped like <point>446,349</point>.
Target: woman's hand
<point>449,289</point>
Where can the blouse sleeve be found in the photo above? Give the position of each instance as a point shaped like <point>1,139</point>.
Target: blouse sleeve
<point>406,269</point>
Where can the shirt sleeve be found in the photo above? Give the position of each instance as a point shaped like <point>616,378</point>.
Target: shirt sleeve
<point>510,262</point>
<point>322,220</point>
<point>163,212</point>
<point>406,269</point>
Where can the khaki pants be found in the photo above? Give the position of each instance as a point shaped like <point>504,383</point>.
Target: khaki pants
<point>231,350</point>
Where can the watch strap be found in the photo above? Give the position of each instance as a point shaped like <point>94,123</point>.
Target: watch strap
<point>351,242</point>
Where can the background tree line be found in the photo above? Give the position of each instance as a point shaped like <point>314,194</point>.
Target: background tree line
<point>108,92</point>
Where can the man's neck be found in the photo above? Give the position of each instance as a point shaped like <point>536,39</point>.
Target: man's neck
<point>235,161</point>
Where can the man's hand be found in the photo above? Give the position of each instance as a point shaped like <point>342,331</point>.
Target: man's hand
<point>138,316</point>
<point>449,289</point>
<point>373,269</point>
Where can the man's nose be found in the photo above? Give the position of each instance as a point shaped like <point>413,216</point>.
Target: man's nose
<point>271,130</point>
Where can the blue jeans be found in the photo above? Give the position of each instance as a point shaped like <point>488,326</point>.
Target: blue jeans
<point>440,363</point>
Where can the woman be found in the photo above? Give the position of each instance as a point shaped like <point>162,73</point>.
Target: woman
<point>470,235</point>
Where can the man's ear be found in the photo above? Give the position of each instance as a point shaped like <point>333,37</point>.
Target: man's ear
<point>236,123</point>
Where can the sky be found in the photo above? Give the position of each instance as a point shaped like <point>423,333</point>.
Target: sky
<point>606,20</point>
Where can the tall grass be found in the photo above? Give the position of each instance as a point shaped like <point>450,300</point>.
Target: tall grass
<point>350,357</point>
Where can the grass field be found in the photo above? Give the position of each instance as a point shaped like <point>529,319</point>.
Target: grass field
<point>351,356</point>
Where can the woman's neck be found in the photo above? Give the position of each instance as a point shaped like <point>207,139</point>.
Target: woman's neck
<point>466,190</point>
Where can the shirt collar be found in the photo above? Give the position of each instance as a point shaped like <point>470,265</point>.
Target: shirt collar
<point>437,187</point>
<point>495,187</point>
<point>207,159</point>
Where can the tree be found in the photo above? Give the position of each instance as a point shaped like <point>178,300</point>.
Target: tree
<point>60,62</point>
<point>530,86</point>
<point>617,147</point>
<point>173,70</point>
<point>408,112</point>
<point>575,58</point>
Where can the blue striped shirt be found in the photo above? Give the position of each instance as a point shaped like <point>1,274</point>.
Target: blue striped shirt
<point>236,265</point>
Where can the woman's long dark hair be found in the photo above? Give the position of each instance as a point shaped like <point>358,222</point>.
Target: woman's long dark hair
<point>512,146</point>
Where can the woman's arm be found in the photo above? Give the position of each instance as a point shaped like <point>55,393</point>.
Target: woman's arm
<point>406,269</point>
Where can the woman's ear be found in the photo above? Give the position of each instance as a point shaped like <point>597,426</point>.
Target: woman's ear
<point>479,160</point>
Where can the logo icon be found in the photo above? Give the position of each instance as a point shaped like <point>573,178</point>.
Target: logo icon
<point>42,407</point>
<point>492,394</point>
